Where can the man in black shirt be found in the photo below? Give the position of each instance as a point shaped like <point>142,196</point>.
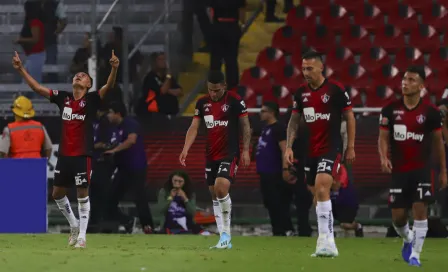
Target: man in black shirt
<point>225,37</point>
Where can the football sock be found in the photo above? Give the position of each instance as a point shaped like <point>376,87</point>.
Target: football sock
<point>325,218</point>
<point>218,215</point>
<point>66,209</point>
<point>84,213</point>
<point>420,229</point>
<point>404,232</point>
<point>226,210</point>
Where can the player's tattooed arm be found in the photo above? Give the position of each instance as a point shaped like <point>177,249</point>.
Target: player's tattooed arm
<point>293,126</point>
<point>245,126</point>
<point>114,62</point>
<point>34,85</point>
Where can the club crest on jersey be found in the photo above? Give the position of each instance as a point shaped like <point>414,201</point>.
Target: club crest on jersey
<point>224,107</point>
<point>421,119</point>
<point>325,98</point>
<point>82,103</point>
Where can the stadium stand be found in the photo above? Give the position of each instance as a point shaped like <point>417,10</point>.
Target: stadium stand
<point>366,45</point>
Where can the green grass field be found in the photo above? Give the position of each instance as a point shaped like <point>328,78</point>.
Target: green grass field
<point>123,253</point>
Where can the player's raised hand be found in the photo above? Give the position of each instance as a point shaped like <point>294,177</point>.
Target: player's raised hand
<point>386,166</point>
<point>245,160</point>
<point>114,61</point>
<point>443,180</point>
<point>289,156</point>
<point>350,155</point>
<point>16,62</point>
<point>183,157</point>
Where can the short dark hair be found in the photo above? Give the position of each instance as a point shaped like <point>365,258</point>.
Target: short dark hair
<point>312,55</point>
<point>420,70</point>
<point>215,77</point>
<point>118,107</point>
<point>272,106</point>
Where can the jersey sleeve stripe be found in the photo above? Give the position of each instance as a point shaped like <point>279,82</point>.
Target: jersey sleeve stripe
<point>295,111</point>
<point>347,108</point>
<point>437,129</point>
<point>384,128</point>
<point>196,117</point>
<point>243,114</point>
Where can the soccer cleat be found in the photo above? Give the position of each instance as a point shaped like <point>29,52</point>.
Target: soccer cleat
<point>359,232</point>
<point>74,232</point>
<point>406,251</point>
<point>414,262</point>
<point>224,242</point>
<point>325,248</point>
<point>80,243</point>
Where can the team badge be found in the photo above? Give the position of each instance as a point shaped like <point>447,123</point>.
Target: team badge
<point>325,98</point>
<point>421,119</point>
<point>384,121</point>
<point>82,103</point>
<point>225,107</point>
<point>55,92</point>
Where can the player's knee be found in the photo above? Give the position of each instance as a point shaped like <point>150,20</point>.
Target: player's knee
<point>399,217</point>
<point>222,186</point>
<point>57,193</point>
<point>83,192</point>
<point>419,211</point>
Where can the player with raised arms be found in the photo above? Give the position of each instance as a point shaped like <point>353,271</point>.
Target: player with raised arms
<point>322,102</point>
<point>78,110</point>
<point>409,127</point>
<point>225,115</point>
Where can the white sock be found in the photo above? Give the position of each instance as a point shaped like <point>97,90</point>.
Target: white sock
<point>218,215</point>
<point>226,210</point>
<point>420,229</point>
<point>404,232</point>
<point>325,218</point>
<point>66,209</point>
<point>84,213</point>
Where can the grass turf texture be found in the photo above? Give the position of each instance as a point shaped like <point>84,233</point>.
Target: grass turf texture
<point>49,252</point>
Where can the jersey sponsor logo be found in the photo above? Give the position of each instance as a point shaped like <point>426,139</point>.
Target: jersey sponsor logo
<point>312,116</point>
<point>69,116</point>
<point>420,119</point>
<point>384,121</point>
<point>401,133</point>
<point>306,94</point>
<point>210,122</point>
<point>325,98</point>
<point>398,112</point>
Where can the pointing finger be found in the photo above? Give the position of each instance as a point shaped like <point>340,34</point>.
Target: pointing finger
<point>17,54</point>
<point>113,53</point>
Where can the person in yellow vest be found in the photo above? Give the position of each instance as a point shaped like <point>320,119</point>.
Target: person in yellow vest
<point>24,138</point>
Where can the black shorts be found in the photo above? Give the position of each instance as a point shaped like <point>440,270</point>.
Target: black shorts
<point>73,170</point>
<point>328,163</point>
<point>410,187</point>
<point>225,168</point>
<point>344,214</point>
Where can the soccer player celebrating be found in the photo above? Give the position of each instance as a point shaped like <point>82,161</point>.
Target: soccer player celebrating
<point>78,109</point>
<point>222,112</point>
<point>410,127</point>
<point>322,102</point>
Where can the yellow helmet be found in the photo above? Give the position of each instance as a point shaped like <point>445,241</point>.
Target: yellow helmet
<point>23,107</point>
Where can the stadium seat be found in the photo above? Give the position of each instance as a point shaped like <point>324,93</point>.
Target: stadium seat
<point>316,5</point>
<point>418,5</point>
<point>301,17</point>
<point>354,75</point>
<point>369,17</point>
<point>403,17</point>
<point>339,55</point>
<point>426,38</point>
<point>321,39</point>
<point>250,96</point>
<point>408,56</point>
<point>256,78</point>
<point>271,59</point>
<point>356,38</point>
<point>351,6</point>
<point>289,77</point>
<point>355,96</point>
<point>390,38</point>
<point>374,58</point>
<point>379,96</point>
<point>438,59</point>
<point>336,18</point>
<point>283,96</point>
<point>435,15</point>
<point>287,39</point>
<point>387,75</point>
<point>386,7</point>
<point>436,84</point>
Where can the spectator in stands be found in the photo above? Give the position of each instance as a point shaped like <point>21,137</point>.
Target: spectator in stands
<point>81,57</point>
<point>160,89</point>
<point>270,10</point>
<point>24,138</point>
<point>32,40</point>
<point>225,37</point>
<point>198,8</point>
<point>130,160</point>
<point>177,205</point>
<point>116,43</point>
<point>55,21</point>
